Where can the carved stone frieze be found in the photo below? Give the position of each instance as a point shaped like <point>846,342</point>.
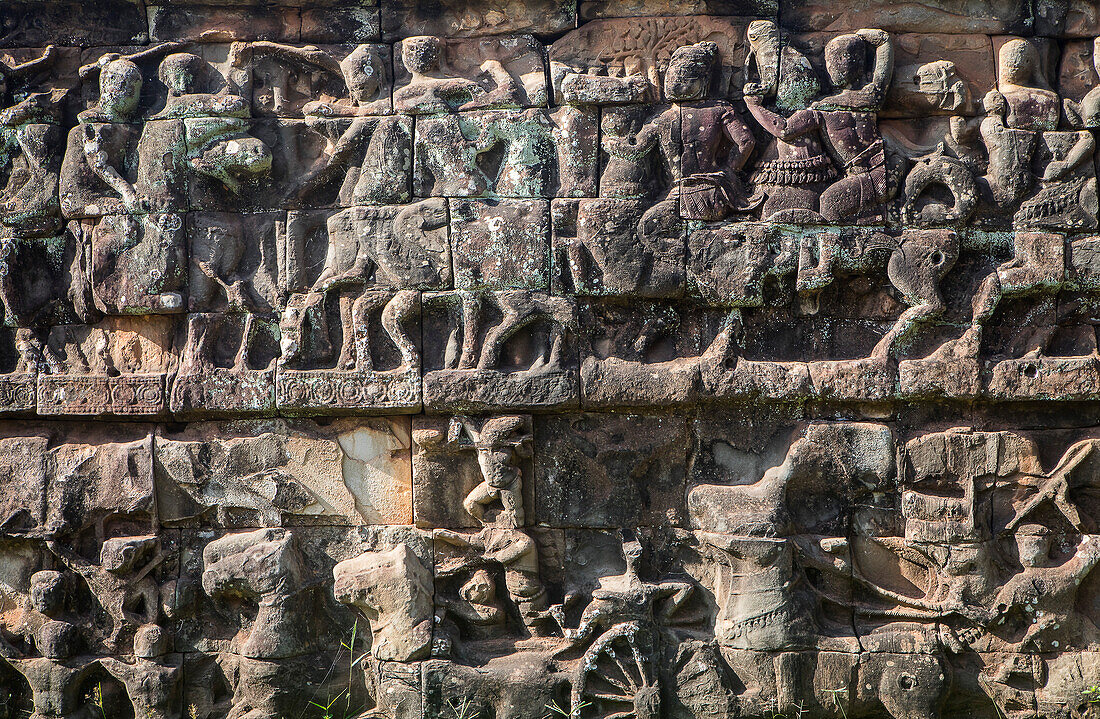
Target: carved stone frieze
<point>523,359</point>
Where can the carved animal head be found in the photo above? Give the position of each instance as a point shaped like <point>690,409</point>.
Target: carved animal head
<point>763,56</point>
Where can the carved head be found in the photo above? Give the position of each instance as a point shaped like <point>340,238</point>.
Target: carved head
<point>1033,544</point>
<point>689,71</point>
<point>421,54</point>
<point>363,73</point>
<point>150,641</point>
<point>180,72</point>
<point>121,555</point>
<point>995,104</point>
<point>763,56</point>
<point>119,89</point>
<point>48,592</point>
<point>845,60</point>
<point>1017,62</point>
<point>57,640</point>
<point>499,440</point>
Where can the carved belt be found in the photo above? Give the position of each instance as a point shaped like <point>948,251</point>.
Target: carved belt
<point>801,171</point>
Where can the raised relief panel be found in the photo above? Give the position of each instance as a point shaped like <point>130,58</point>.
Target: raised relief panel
<point>98,479</point>
<point>223,23</point>
<point>498,153</point>
<point>500,244</point>
<point>622,61</point>
<point>596,9</point>
<point>634,478</point>
<point>453,487</point>
<point>511,349</point>
<point>230,340</point>
<point>617,247</point>
<point>394,246</point>
<point>119,366</point>
<point>324,80</point>
<point>640,352</point>
<point>276,472</point>
<point>939,75</point>
<point>457,19</point>
<point>349,350</point>
<point>434,74</point>
<point>999,16</point>
<point>24,476</point>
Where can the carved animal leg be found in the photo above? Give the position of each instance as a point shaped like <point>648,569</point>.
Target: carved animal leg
<point>394,316</point>
<point>986,299</point>
<point>471,323</point>
<point>910,319</point>
<point>725,344</point>
<point>198,343</point>
<point>355,339</point>
<point>495,338</point>
<point>814,277</point>
<point>240,360</point>
<point>359,330</point>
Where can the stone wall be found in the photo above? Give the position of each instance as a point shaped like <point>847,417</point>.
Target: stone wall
<point>533,359</point>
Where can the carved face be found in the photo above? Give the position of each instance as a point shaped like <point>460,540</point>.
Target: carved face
<point>421,54</point>
<point>119,89</point>
<point>179,72</point>
<point>1017,62</point>
<point>844,60</point>
<point>363,73</point>
<point>56,640</point>
<point>1034,549</point>
<point>47,592</point>
<point>150,641</point>
<point>689,71</point>
<point>479,588</point>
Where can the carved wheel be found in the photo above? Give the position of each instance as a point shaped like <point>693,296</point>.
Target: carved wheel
<point>615,679</point>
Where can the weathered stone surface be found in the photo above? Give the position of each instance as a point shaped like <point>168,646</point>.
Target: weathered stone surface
<point>466,359</point>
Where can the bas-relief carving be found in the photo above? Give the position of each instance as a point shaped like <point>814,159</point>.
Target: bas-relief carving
<point>834,224</point>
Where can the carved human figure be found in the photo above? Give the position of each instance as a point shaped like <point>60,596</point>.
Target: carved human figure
<point>476,611</point>
<point>795,168</point>
<point>56,679</point>
<point>430,91</point>
<point>850,123</point>
<point>123,581</point>
<point>627,597</point>
<point>1087,112</point>
<point>370,151</point>
<point>153,678</point>
<point>500,442</point>
<point>716,142</point>
<point>518,554</point>
<point>131,262</point>
<point>1045,595</point>
<point>28,204</point>
<point>1020,129</point>
<point>218,143</point>
<point>632,152</point>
